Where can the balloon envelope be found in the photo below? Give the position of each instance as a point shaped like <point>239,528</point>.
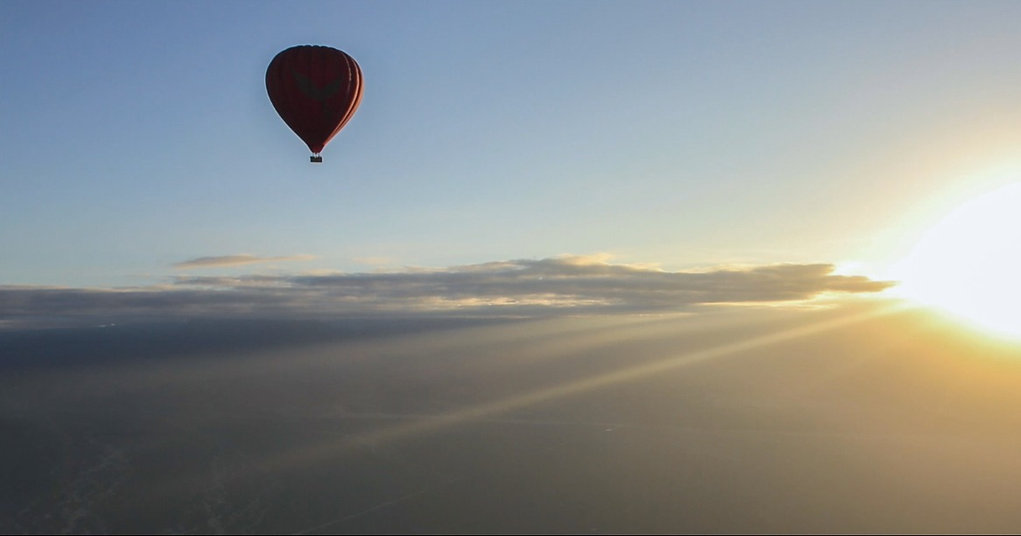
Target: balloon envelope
<point>316,91</point>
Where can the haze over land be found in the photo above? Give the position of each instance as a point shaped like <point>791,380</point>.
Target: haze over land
<point>858,418</point>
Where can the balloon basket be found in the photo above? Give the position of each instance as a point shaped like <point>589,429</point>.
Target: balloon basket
<point>315,159</point>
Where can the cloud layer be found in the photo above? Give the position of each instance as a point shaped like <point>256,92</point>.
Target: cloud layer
<point>515,287</point>
<point>235,260</point>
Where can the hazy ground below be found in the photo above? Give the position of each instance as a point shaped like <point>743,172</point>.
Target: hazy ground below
<point>731,420</point>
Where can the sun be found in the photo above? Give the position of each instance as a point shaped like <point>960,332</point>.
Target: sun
<point>969,263</point>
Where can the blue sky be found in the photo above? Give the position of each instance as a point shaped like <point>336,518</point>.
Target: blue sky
<point>137,135</point>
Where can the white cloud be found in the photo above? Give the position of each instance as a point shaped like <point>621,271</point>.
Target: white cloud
<point>235,260</point>
<point>515,287</point>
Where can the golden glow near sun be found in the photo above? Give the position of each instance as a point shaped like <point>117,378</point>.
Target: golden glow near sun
<point>970,263</point>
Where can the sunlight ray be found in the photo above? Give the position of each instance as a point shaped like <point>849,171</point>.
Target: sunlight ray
<point>324,450</point>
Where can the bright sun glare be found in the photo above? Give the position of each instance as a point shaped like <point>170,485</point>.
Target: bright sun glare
<point>970,263</point>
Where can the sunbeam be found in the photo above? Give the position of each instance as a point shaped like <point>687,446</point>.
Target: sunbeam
<point>316,453</point>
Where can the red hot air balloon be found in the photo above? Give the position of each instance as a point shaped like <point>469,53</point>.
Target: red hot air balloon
<point>316,90</point>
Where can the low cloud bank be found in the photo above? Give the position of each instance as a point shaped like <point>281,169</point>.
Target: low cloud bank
<point>515,287</point>
<point>235,260</point>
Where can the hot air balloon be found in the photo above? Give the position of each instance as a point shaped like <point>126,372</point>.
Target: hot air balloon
<point>316,90</point>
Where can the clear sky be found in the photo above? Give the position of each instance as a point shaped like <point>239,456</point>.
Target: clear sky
<point>138,135</point>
